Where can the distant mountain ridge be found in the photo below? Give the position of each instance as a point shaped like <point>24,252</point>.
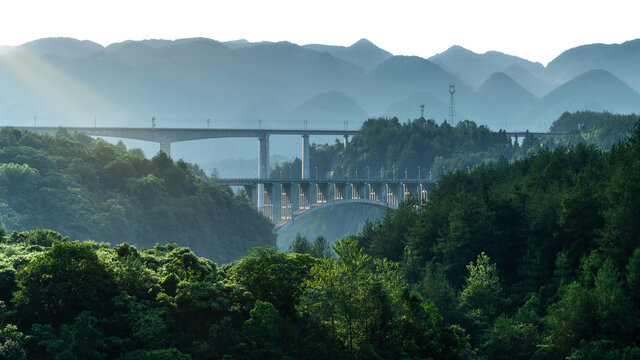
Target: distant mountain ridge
<point>238,83</point>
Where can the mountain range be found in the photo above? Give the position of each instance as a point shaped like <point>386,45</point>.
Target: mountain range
<point>64,81</point>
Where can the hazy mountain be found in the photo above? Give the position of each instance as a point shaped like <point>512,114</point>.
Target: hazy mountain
<point>187,81</point>
<point>363,53</point>
<point>474,69</point>
<point>401,76</point>
<point>622,60</point>
<point>537,85</point>
<point>596,90</point>
<point>409,108</point>
<point>506,96</point>
<point>328,110</point>
<point>63,47</point>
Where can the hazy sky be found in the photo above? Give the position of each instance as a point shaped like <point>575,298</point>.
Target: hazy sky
<point>537,30</point>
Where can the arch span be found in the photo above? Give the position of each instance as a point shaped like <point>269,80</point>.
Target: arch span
<point>302,213</point>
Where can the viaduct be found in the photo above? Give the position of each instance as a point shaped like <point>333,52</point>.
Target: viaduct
<point>378,192</point>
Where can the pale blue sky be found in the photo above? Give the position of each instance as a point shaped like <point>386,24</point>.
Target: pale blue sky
<point>536,30</point>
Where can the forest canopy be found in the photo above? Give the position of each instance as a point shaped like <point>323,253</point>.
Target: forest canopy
<point>89,189</point>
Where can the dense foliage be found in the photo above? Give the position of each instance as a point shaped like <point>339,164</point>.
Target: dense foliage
<point>71,300</point>
<point>387,148</point>
<point>89,189</point>
<point>600,129</point>
<point>534,259</point>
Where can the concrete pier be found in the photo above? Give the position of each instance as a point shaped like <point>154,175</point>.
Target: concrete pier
<point>303,197</point>
<point>285,201</point>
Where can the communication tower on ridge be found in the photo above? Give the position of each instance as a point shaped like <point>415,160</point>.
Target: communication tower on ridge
<point>452,109</point>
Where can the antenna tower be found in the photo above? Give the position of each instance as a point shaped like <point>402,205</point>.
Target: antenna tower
<point>422,111</point>
<point>452,108</point>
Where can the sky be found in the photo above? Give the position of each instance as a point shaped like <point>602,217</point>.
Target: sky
<point>536,30</point>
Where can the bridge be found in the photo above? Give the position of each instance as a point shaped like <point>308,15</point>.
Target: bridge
<point>314,194</point>
<point>166,136</point>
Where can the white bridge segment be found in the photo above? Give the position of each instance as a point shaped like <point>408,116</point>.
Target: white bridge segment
<point>181,134</point>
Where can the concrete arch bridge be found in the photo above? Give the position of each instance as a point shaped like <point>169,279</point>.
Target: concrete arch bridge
<point>312,195</point>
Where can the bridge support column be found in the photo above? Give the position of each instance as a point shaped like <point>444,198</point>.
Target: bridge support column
<point>375,192</point>
<point>392,194</point>
<point>252,194</point>
<point>267,209</point>
<point>306,165</point>
<point>303,190</point>
<point>345,140</point>
<point>285,201</point>
<point>321,191</point>
<point>408,190</point>
<point>339,192</point>
<point>264,169</point>
<point>165,146</point>
<point>356,190</point>
<point>423,192</point>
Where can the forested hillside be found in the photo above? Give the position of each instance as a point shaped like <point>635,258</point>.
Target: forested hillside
<point>386,147</point>
<point>536,259</point>
<point>89,189</point>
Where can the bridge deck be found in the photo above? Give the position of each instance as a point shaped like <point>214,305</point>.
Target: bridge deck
<point>187,134</point>
<point>254,181</point>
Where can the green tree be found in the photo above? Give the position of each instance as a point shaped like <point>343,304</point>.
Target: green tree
<point>12,344</point>
<point>61,283</point>
<point>482,295</point>
<point>274,277</point>
<point>263,331</point>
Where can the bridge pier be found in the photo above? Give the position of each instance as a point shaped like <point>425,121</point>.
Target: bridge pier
<point>267,209</point>
<point>252,194</point>
<point>321,191</point>
<point>392,194</point>
<point>408,190</point>
<point>264,169</point>
<point>306,166</point>
<point>165,146</point>
<point>339,192</point>
<point>285,201</point>
<point>375,192</point>
<point>345,140</point>
<point>423,192</point>
<point>356,191</point>
<point>303,190</point>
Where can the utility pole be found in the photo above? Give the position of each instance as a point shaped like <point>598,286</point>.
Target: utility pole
<point>153,122</point>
